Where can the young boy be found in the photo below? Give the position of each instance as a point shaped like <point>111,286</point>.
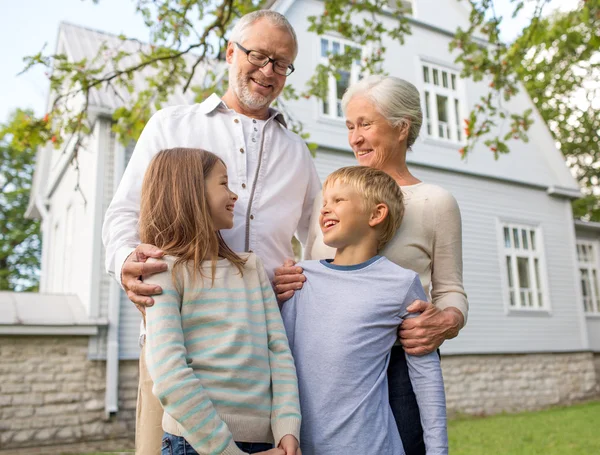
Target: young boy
<point>343,323</point>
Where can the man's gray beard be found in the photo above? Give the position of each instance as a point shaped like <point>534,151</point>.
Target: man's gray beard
<point>251,100</point>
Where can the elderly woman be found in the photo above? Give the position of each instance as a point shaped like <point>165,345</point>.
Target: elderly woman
<point>383,116</point>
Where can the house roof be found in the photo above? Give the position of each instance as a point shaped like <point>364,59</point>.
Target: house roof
<point>79,42</point>
<point>31,313</point>
<point>592,226</point>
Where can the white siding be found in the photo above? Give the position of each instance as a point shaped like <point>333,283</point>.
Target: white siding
<point>69,269</point>
<point>129,328</point>
<point>445,14</point>
<point>107,196</point>
<point>592,321</point>
<point>537,162</point>
<point>593,328</point>
<point>491,328</point>
<point>97,347</point>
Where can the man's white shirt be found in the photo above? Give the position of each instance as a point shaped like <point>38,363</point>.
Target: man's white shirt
<point>275,194</point>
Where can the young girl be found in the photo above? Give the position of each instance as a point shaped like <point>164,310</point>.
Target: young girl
<point>216,347</point>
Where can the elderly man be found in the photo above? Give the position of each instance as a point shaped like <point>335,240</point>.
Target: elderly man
<point>269,167</point>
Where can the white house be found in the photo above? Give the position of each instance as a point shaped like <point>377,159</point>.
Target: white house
<point>531,272</point>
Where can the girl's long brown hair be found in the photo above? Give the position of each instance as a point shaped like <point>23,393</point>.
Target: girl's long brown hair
<point>174,211</point>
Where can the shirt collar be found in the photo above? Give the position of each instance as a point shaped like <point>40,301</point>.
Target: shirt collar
<point>213,102</point>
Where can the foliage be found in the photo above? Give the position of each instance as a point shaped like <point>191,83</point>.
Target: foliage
<point>559,431</point>
<point>189,36</point>
<point>20,244</point>
<point>561,73</point>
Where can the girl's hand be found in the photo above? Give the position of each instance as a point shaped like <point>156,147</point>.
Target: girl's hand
<point>272,452</point>
<point>290,444</point>
<point>287,280</point>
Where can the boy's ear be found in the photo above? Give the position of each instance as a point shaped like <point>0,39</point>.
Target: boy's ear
<point>378,214</point>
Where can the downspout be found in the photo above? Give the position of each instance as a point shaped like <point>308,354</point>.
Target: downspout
<point>114,307</point>
<point>111,405</point>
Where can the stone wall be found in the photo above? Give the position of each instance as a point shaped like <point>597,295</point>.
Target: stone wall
<point>491,384</point>
<point>51,394</point>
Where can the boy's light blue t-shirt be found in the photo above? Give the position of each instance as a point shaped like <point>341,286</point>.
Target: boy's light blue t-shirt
<point>341,327</point>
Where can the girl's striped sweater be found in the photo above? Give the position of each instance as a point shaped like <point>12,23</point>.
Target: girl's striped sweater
<point>219,358</point>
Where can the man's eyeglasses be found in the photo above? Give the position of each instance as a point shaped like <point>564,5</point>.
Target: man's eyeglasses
<point>262,60</point>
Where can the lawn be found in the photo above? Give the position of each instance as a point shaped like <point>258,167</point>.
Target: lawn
<point>562,431</point>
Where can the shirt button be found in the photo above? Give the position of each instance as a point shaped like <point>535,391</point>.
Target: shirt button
<point>236,120</point>
<point>253,120</point>
<point>242,150</point>
<point>251,217</point>
<point>253,139</point>
<point>255,129</point>
<point>243,185</point>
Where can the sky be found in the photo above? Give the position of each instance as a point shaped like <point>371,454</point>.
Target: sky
<point>27,25</point>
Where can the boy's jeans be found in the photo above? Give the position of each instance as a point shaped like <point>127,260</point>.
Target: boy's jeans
<point>177,445</point>
<point>404,404</point>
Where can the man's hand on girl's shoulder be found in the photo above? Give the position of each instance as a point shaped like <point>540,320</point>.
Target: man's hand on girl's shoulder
<point>134,267</point>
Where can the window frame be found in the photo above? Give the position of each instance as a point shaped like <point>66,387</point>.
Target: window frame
<point>591,267</point>
<point>332,94</point>
<point>456,98</point>
<point>538,289</point>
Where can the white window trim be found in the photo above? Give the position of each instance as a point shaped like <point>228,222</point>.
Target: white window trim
<point>459,94</point>
<point>545,307</point>
<point>332,82</point>
<point>590,266</point>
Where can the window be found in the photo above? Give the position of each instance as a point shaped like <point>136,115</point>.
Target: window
<point>587,258</point>
<point>332,106</point>
<point>443,103</point>
<point>524,267</point>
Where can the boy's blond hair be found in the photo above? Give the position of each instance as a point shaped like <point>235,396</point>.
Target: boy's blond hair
<point>375,187</point>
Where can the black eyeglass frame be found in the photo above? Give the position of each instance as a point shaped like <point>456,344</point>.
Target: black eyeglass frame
<point>268,60</point>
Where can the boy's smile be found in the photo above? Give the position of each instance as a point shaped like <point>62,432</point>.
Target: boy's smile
<point>344,219</point>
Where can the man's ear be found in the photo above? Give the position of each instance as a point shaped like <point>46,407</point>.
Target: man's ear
<point>378,214</point>
<point>229,52</point>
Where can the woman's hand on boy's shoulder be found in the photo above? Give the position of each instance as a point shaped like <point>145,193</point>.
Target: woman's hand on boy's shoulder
<point>290,445</point>
<point>426,332</point>
<point>288,279</point>
<point>136,266</point>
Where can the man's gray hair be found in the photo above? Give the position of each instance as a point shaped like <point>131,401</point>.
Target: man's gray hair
<point>238,34</point>
<point>396,99</point>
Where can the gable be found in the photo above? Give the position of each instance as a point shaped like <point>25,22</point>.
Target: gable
<point>537,163</point>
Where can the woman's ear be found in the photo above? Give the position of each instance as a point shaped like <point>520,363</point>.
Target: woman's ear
<point>404,130</point>
<point>379,213</point>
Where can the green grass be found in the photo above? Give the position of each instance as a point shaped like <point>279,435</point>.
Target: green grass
<point>561,431</point>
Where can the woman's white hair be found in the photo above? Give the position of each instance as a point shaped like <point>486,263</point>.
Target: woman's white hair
<point>396,99</point>
<point>239,32</point>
